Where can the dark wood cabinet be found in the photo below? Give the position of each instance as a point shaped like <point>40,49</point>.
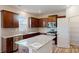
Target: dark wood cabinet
<point>43,22</point>
<point>15,21</point>
<point>30,35</point>
<point>34,22</point>
<point>9,19</point>
<point>52,18</point>
<point>40,22</point>
<point>9,45</point>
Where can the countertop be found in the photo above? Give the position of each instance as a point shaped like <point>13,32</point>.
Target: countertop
<point>35,42</point>
<point>18,34</point>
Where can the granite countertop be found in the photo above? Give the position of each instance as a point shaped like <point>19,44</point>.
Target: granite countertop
<point>18,34</point>
<point>35,42</point>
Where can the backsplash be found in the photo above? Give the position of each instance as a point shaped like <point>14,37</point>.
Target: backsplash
<point>14,31</point>
<point>45,30</point>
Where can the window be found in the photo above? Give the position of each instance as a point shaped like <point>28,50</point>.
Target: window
<point>23,23</point>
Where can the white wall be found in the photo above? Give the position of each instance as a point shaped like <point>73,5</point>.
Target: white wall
<point>72,11</point>
<point>73,17</point>
<point>59,13</point>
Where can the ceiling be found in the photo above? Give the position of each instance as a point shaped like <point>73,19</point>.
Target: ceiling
<point>41,9</point>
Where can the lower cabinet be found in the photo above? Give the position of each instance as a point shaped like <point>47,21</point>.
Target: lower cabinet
<point>9,44</point>
<point>30,35</point>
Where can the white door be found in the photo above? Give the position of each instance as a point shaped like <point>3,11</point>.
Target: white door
<point>63,33</point>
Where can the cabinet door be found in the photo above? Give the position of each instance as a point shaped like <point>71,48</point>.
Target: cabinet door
<point>43,22</point>
<point>7,19</point>
<point>15,21</point>
<point>27,36</point>
<point>46,22</point>
<point>34,22</point>
<point>30,35</point>
<point>40,22</point>
<point>37,23</point>
<point>9,45</point>
<point>52,18</point>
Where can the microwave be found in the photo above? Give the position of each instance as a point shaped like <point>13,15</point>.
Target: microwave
<point>51,25</point>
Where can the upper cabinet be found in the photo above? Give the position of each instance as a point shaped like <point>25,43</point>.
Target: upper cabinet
<point>52,18</point>
<point>43,22</point>
<point>9,19</point>
<point>33,22</point>
<point>15,21</point>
